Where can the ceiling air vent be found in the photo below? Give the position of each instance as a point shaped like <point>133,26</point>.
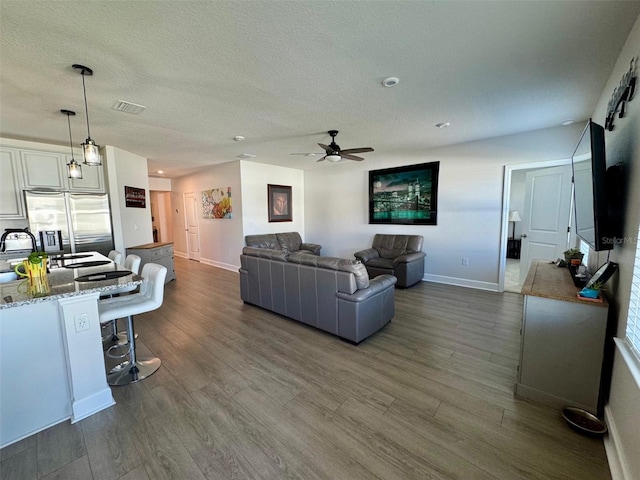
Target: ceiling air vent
<point>246,155</point>
<point>128,107</point>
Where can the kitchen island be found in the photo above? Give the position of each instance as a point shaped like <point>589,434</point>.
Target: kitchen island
<point>51,360</point>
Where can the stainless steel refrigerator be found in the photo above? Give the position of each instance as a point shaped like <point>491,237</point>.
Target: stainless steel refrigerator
<point>83,219</point>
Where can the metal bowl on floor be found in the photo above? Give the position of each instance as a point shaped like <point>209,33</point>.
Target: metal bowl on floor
<point>584,422</point>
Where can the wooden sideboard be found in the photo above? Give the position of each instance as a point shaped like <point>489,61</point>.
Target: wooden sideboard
<point>562,340</point>
<point>157,252</point>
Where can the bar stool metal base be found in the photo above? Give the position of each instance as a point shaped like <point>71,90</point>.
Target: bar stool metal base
<point>127,373</point>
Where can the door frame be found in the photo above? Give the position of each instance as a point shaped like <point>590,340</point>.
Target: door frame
<point>506,195</point>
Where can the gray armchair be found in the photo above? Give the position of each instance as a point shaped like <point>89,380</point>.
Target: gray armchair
<point>397,255</point>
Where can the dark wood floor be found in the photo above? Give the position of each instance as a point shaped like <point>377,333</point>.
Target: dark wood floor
<point>243,393</point>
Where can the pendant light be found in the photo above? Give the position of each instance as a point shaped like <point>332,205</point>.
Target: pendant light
<point>74,169</point>
<point>90,149</point>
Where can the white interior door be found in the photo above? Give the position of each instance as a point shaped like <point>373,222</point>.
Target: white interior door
<point>191,225</point>
<point>547,215</point>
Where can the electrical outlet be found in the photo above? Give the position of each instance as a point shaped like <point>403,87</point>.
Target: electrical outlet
<point>82,322</point>
<point>465,261</point>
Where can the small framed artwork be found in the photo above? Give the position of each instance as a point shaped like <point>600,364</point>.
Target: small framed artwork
<point>279,203</point>
<point>404,195</point>
<point>135,197</point>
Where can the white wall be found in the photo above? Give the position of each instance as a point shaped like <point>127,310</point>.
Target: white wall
<point>469,203</point>
<point>623,145</point>
<point>160,184</point>
<point>255,178</point>
<point>131,226</point>
<point>221,239</point>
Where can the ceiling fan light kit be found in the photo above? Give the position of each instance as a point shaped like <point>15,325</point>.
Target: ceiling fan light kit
<point>335,154</point>
<point>90,149</point>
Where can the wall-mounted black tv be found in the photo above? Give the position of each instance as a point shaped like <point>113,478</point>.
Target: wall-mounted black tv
<point>593,223</point>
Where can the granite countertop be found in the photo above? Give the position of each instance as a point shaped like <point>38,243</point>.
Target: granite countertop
<point>547,280</point>
<point>62,284</point>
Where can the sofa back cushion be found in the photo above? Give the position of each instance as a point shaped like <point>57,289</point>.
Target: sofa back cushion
<point>392,246</point>
<point>272,253</point>
<point>265,240</point>
<point>289,241</point>
<point>333,263</point>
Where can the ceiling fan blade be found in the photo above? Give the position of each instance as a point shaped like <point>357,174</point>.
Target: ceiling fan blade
<point>327,148</point>
<point>307,154</point>
<point>350,157</point>
<point>357,150</point>
<point>322,158</point>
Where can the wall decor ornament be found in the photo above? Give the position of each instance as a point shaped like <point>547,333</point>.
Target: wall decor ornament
<point>135,197</point>
<point>216,203</point>
<point>279,203</point>
<point>404,195</point>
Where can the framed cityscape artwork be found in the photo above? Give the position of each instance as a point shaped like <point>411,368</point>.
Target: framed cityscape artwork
<point>404,195</point>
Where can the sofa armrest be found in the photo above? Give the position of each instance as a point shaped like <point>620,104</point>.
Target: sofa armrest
<point>409,257</point>
<point>312,247</point>
<point>368,254</point>
<point>376,285</point>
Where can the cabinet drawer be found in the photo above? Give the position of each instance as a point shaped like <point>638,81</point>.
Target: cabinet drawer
<point>161,252</point>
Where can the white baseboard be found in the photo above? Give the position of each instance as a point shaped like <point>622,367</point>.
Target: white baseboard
<point>617,464</point>
<point>92,404</point>
<point>224,266</point>
<point>461,282</point>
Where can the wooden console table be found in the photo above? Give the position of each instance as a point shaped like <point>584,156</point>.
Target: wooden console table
<point>562,340</point>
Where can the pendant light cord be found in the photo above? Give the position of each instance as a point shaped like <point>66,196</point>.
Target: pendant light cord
<point>70,140</point>
<point>86,109</point>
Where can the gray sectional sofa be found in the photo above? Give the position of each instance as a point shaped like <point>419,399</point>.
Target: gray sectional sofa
<point>332,294</point>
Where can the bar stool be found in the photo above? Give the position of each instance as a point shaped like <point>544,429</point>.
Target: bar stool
<point>149,298</point>
<point>115,256</point>
<point>131,263</point>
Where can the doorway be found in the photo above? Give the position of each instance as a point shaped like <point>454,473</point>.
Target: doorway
<point>540,193</point>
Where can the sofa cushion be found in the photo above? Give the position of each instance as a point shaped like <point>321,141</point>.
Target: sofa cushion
<point>273,254</point>
<point>289,241</point>
<point>265,240</point>
<point>381,263</point>
<point>346,265</point>
<point>392,246</point>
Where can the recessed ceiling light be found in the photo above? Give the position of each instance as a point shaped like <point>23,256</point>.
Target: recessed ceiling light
<point>442,124</point>
<point>568,121</point>
<point>238,138</point>
<point>160,172</point>
<point>390,82</point>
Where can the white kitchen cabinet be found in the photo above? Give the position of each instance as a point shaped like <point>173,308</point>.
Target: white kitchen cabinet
<point>92,177</point>
<point>11,199</point>
<point>158,252</point>
<point>563,340</point>
<point>42,169</point>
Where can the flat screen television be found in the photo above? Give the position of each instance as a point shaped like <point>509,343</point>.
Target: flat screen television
<point>593,223</point>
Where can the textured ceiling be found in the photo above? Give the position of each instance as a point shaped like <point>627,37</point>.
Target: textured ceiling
<point>283,73</point>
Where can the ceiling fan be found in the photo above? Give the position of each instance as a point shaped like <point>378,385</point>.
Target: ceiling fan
<point>335,154</point>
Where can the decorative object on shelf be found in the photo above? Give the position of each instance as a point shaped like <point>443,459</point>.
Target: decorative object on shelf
<point>216,203</point>
<point>404,195</point>
<point>279,203</point>
<point>514,217</point>
<point>90,149</point>
<point>573,256</point>
<point>135,197</point>
<point>74,169</point>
